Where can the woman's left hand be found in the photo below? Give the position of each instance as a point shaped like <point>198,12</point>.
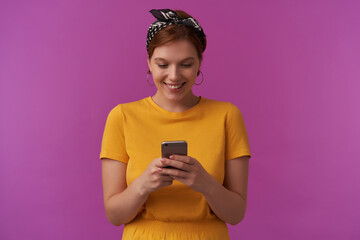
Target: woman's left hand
<point>189,171</point>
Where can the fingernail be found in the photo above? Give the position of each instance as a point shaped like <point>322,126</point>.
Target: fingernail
<point>171,157</point>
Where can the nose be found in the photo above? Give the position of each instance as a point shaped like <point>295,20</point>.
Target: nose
<point>174,74</point>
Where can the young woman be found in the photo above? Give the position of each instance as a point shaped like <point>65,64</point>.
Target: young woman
<point>202,191</point>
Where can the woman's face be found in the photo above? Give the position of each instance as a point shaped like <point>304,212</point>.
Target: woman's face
<point>174,67</point>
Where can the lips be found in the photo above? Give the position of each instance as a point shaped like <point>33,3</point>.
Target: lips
<point>174,86</point>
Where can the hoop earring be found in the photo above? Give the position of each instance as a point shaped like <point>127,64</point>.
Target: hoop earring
<point>147,79</point>
<point>202,79</point>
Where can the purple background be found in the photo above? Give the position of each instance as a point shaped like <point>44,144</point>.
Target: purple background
<point>292,67</point>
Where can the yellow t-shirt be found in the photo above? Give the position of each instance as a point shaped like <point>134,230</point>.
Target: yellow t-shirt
<point>215,132</point>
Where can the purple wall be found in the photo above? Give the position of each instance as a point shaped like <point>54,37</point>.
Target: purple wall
<point>292,67</point>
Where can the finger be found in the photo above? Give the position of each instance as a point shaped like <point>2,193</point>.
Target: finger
<point>166,178</point>
<point>186,159</point>
<point>168,182</point>
<point>177,164</point>
<point>165,184</point>
<point>180,179</point>
<point>172,172</point>
<point>160,163</point>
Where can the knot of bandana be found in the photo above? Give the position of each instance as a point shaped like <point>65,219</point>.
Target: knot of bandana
<point>166,17</point>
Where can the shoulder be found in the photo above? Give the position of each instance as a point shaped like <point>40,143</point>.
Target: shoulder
<point>121,110</point>
<point>129,106</point>
<point>227,111</point>
<point>220,106</point>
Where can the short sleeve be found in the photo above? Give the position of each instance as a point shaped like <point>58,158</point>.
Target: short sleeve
<point>237,143</point>
<point>113,141</point>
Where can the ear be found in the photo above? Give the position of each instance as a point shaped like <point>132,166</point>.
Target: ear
<point>149,65</point>
<point>198,72</point>
<point>199,67</point>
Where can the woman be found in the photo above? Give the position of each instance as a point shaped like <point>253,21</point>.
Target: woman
<point>204,190</point>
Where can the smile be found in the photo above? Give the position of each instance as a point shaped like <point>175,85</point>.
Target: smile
<point>174,86</point>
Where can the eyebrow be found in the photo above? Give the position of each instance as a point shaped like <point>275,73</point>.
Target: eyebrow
<point>189,58</point>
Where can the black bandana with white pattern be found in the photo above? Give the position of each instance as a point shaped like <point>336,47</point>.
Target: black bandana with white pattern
<point>166,17</point>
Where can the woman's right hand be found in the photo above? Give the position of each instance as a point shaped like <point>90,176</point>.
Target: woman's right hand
<point>152,179</point>
<point>122,202</point>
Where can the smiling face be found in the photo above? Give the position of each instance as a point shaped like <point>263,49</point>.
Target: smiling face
<point>174,67</point>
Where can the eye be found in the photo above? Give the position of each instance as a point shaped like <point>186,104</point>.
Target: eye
<point>162,65</point>
<point>187,65</point>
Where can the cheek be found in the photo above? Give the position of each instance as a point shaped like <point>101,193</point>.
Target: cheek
<point>193,74</point>
<point>158,76</point>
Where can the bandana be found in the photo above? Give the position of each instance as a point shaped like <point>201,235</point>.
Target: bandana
<point>166,17</point>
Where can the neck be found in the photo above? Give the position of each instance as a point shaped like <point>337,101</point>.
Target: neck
<point>176,105</point>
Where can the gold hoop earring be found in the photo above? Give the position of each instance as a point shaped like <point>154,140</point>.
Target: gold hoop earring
<point>202,78</point>
<point>147,79</point>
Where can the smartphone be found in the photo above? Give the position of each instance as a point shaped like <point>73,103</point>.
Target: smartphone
<point>169,148</point>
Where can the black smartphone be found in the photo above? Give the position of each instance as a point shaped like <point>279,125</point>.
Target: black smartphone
<point>169,148</point>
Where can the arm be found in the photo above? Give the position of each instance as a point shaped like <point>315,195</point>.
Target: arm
<point>227,201</point>
<point>123,203</point>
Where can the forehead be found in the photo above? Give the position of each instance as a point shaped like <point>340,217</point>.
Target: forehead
<point>175,50</point>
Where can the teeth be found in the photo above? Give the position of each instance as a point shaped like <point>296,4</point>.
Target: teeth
<point>174,86</point>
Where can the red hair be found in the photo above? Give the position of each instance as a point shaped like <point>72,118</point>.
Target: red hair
<point>177,32</point>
